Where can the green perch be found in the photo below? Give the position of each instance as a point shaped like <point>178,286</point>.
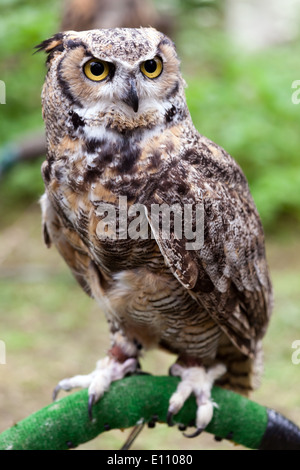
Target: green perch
<point>65,423</point>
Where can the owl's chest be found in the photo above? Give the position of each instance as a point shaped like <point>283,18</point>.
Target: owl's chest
<point>115,233</point>
<point>95,187</point>
<point>154,309</point>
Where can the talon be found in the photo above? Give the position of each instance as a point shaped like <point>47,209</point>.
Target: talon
<point>153,421</point>
<point>55,392</point>
<point>170,418</point>
<point>195,434</point>
<point>92,400</point>
<point>182,427</point>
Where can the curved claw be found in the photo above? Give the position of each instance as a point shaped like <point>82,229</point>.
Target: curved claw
<point>195,434</point>
<point>181,427</point>
<point>55,392</point>
<point>92,401</point>
<point>170,418</point>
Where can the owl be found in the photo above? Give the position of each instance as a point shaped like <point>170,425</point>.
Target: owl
<point>123,159</point>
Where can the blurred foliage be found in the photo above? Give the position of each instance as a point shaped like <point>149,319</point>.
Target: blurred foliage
<point>242,102</point>
<point>23,25</point>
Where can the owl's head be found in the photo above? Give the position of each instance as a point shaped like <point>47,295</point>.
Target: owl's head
<point>123,78</point>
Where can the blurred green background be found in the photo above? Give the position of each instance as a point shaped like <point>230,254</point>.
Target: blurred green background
<point>240,95</point>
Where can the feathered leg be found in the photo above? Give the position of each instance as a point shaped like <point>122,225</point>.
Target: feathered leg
<point>199,381</point>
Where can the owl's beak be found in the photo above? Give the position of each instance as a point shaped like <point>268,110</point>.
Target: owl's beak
<point>131,97</point>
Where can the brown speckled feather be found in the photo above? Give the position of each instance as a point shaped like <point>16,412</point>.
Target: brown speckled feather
<point>228,276</point>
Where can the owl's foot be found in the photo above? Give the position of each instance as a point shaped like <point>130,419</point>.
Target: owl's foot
<point>107,371</point>
<point>198,381</point>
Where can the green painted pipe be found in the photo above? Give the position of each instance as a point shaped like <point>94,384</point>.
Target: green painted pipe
<point>65,423</point>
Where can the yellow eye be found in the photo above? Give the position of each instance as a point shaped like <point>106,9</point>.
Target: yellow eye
<point>152,68</point>
<point>96,70</point>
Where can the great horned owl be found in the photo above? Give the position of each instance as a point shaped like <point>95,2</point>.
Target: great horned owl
<point>118,129</point>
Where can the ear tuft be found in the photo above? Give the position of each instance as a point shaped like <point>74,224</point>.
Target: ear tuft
<point>55,43</point>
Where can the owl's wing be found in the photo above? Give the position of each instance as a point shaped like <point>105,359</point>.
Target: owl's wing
<point>228,274</point>
<point>68,243</point>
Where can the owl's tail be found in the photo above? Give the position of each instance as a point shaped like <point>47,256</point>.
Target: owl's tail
<point>243,373</point>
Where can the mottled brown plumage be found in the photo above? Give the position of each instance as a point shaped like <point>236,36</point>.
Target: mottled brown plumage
<point>131,136</point>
